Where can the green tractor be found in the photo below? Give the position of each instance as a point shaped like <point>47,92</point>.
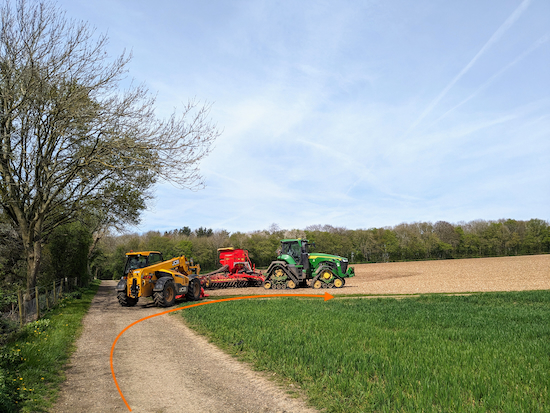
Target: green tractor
<point>296,267</point>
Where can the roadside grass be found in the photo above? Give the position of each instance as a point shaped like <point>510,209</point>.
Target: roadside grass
<point>433,353</point>
<point>32,362</point>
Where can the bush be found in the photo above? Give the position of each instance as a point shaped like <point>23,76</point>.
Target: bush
<point>8,382</point>
<point>7,328</point>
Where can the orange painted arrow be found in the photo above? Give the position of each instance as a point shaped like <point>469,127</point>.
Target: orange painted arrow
<point>326,296</point>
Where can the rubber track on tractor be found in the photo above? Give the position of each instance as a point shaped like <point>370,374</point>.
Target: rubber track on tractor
<point>316,282</point>
<point>280,278</point>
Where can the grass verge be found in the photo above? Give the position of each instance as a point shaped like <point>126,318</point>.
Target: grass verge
<point>484,352</point>
<point>32,362</point>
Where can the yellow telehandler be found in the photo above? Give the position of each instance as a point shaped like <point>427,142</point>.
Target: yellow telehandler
<point>146,274</point>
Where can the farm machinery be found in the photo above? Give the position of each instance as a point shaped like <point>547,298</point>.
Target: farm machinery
<point>296,267</point>
<point>146,274</point>
<point>237,271</point>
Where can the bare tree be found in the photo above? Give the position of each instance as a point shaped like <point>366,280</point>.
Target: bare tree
<point>69,137</point>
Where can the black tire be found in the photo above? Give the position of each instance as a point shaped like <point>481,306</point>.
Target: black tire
<point>126,301</point>
<point>166,297</point>
<point>193,290</point>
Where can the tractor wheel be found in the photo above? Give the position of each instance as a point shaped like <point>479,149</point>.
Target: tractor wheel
<point>126,301</point>
<point>267,284</point>
<point>290,285</point>
<point>317,284</point>
<point>338,282</point>
<point>193,290</point>
<point>166,297</point>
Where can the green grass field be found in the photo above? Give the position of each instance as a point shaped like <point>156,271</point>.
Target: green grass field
<point>32,363</point>
<point>434,353</point>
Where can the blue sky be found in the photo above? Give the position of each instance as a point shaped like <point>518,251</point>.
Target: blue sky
<point>357,114</point>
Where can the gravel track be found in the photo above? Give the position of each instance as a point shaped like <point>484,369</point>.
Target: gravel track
<point>161,366</point>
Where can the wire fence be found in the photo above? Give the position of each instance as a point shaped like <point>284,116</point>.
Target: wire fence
<point>25,308</point>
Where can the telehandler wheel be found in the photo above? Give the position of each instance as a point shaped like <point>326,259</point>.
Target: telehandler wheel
<point>338,283</point>
<point>126,301</point>
<point>194,290</point>
<point>166,297</point>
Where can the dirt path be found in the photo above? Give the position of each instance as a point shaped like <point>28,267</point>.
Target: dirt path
<point>161,367</point>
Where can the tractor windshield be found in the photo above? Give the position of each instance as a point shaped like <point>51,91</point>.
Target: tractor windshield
<point>292,249</point>
<point>134,262</point>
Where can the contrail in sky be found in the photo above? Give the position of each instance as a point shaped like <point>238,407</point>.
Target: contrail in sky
<point>494,38</point>
<point>484,86</point>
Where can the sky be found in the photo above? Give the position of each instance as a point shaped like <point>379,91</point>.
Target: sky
<point>355,114</point>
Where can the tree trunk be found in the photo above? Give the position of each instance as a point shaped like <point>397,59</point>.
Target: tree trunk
<point>33,251</point>
<point>31,235</point>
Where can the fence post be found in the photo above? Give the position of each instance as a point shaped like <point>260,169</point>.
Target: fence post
<point>37,302</point>
<point>20,301</point>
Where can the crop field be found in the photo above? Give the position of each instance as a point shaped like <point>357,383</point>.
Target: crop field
<point>482,352</point>
<point>531,272</point>
<point>471,353</point>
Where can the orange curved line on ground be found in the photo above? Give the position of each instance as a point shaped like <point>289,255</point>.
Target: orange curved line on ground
<point>326,297</point>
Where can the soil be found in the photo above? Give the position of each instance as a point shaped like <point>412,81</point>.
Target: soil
<point>162,366</point>
<point>528,272</point>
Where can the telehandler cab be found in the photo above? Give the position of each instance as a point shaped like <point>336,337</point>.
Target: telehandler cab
<point>147,275</point>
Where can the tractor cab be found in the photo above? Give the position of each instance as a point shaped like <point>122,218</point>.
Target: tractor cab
<point>136,260</point>
<point>297,249</point>
<point>292,248</point>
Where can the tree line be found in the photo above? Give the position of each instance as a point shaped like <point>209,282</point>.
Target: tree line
<point>73,250</point>
<point>403,242</point>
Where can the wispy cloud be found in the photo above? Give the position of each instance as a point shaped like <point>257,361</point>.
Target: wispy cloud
<point>318,105</point>
<point>493,78</point>
<point>492,40</point>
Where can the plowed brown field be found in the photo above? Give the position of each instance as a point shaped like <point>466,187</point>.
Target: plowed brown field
<point>530,272</point>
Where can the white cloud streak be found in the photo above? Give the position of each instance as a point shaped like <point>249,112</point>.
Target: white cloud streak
<point>488,83</point>
<point>493,39</point>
